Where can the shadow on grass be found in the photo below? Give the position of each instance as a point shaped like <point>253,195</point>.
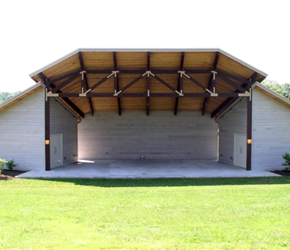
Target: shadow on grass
<point>174,182</point>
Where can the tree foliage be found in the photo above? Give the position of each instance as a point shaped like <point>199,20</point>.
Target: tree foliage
<point>282,89</point>
<point>4,96</point>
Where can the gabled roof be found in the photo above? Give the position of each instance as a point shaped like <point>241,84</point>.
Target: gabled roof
<point>20,96</point>
<point>64,77</point>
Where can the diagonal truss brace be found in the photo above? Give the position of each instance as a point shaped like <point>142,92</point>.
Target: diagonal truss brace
<point>98,83</point>
<point>197,83</point>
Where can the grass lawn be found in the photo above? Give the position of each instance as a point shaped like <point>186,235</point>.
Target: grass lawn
<point>230,213</point>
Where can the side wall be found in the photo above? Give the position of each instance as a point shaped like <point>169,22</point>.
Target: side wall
<point>271,132</point>
<point>106,135</point>
<point>234,121</point>
<point>61,121</point>
<point>22,133</point>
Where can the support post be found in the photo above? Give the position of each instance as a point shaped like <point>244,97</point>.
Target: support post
<point>249,133</point>
<point>180,83</point>
<point>116,83</point>
<point>148,84</point>
<point>47,131</point>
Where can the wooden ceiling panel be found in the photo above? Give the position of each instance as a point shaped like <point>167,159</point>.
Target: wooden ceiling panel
<point>191,103</point>
<point>164,103</point>
<point>98,60</point>
<point>68,65</point>
<point>104,103</point>
<point>131,59</point>
<point>133,103</point>
<point>232,66</point>
<point>199,60</point>
<point>165,60</point>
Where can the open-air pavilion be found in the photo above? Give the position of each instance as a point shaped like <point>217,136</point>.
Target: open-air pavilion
<point>151,104</point>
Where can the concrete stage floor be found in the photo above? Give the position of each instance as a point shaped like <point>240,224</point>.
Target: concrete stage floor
<point>146,169</point>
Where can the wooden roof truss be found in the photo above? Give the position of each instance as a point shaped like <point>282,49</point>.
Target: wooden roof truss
<point>241,91</point>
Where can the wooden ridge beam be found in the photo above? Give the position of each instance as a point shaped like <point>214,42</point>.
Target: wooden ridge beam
<point>210,85</point>
<point>230,100</point>
<point>180,83</point>
<point>116,82</point>
<point>65,99</point>
<point>85,82</point>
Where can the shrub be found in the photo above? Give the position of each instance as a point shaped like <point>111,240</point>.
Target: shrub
<point>10,164</point>
<point>286,157</point>
<point>2,162</point>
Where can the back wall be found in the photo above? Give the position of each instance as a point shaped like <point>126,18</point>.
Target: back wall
<point>162,135</point>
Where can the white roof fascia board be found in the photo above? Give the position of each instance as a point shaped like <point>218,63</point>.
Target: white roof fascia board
<point>20,94</point>
<point>147,50</point>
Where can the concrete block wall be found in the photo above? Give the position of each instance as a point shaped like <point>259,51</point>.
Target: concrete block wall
<point>161,135</point>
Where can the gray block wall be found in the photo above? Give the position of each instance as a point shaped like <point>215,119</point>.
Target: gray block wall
<point>271,132</point>
<point>61,121</point>
<point>162,135</point>
<point>234,121</point>
<point>22,133</point>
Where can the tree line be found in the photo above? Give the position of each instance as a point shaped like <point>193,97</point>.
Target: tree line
<point>282,89</point>
<point>4,96</point>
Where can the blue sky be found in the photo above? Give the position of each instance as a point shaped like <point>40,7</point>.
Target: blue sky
<point>36,33</point>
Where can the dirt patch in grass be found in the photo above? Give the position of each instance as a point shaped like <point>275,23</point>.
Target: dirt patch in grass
<point>281,172</point>
<point>10,174</point>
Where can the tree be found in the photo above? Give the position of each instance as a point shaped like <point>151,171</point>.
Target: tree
<point>282,89</point>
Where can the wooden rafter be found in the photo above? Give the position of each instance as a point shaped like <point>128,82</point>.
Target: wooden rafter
<point>180,82</point>
<point>229,81</point>
<point>65,99</point>
<point>230,100</point>
<point>66,82</point>
<point>85,82</point>
<point>116,82</point>
<point>211,82</point>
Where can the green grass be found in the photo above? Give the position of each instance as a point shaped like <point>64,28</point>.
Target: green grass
<point>229,213</point>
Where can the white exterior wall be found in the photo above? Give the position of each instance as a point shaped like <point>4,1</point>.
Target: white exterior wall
<point>61,121</point>
<point>234,121</point>
<point>161,135</point>
<point>271,132</point>
<point>22,133</point>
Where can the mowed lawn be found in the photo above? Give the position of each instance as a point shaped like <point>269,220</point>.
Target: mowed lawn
<point>229,213</point>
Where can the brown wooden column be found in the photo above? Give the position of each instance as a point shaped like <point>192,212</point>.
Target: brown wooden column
<point>249,133</point>
<point>47,133</point>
